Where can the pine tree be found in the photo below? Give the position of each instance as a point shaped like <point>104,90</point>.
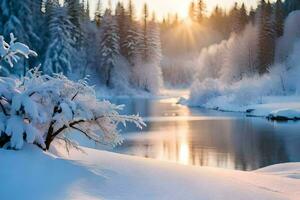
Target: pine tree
<point>145,31</point>
<point>98,15</point>
<point>243,17</point>
<point>61,44</point>
<point>279,18</point>
<point>291,5</point>
<point>147,74</point>
<point>131,11</point>
<point>38,17</point>
<point>87,10</point>
<point>176,20</point>
<point>201,11</point>
<point>216,19</point>
<point>267,33</point>
<point>75,13</point>
<point>234,15</point>
<point>109,47</point>
<point>193,11</point>
<point>122,22</point>
<point>130,44</point>
<point>252,15</point>
<point>153,41</point>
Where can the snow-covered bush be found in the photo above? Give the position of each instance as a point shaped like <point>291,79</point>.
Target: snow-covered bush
<point>147,76</point>
<point>232,59</point>
<point>203,92</point>
<point>40,109</point>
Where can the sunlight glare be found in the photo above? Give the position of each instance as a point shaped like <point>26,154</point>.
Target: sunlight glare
<point>184,153</point>
<point>188,22</point>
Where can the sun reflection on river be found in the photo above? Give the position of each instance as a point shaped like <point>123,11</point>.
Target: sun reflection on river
<point>184,154</point>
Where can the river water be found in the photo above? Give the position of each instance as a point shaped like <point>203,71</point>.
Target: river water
<point>193,136</point>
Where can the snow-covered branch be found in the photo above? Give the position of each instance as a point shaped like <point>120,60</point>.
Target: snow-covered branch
<point>13,51</point>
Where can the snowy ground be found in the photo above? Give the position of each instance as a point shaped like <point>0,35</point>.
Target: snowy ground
<point>32,174</point>
<point>280,107</point>
<point>285,107</point>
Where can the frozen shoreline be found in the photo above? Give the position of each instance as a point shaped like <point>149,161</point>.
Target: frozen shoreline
<point>104,175</point>
<point>274,108</point>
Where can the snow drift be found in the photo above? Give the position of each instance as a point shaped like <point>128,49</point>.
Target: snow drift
<point>104,175</point>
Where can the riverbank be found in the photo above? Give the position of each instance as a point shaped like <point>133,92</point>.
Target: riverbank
<point>103,175</point>
<point>273,107</point>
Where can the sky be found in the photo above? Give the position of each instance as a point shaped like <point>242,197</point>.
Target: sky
<point>163,7</point>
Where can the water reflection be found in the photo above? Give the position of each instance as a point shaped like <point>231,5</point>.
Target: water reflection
<point>207,138</point>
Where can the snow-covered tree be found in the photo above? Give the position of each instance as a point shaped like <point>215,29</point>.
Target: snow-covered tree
<point>193,11</point>
<point>98,14</point>
<point>154,43</point>
<point>75,14</point>
<point>40,109</point>
<point>147,73</point>
<point>61,44</point>
<point>144,44</point>
<point>16,17</point>
<point>266,51</point>
<point>201,10</point>
<point>291,5</point>
<point>130,45</point>
<point>122,23</point>
<point>132,35</point>
<point>109,46</point>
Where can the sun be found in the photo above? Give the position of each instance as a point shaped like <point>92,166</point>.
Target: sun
<point>188,22</point>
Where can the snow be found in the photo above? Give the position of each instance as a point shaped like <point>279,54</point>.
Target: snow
<point>286,113</point>
<point>103,175</point>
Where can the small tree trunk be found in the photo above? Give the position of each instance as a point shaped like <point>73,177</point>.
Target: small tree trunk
<point>49,138</point>
<point>3,140</point>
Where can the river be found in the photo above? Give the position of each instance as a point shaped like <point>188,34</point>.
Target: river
<point>193,136</point>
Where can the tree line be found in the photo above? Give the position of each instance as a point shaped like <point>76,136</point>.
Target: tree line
<point>70,42</point>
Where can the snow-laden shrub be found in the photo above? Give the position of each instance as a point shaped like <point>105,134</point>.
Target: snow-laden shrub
<point>232,59</point>
<point>40,109</point>
<point>210,61</point>
<point>203,92</point>
<point>148,77</point>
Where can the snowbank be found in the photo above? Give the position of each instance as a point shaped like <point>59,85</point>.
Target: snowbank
<point>285,114</point>
<point>104,175</point>
<point>274,108</point>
